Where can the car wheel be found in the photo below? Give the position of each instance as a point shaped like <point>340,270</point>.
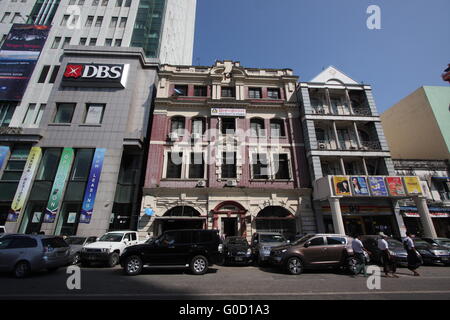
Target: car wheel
<point>76,259</point>
<point>133,266</point>
<point>351,265</point>
<point>199,265</point>
<point>294,265</point>
<point>113,259</point>
<point>22,269</point>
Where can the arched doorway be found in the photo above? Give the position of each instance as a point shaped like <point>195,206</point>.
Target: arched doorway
<point>276,219</point>
<point>229,218</point>
<point>180,217</point>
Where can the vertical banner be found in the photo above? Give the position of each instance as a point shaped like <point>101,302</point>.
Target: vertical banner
<point>65,164</point>
<point>412,185</point>
<point>359,186</point>
<point>341,186</point>
<point>395,186</point>
<point>25,183</point>
<point>92,186</point>
<point>378,186</point>
<point>4,151</point>
<point>18,56</point>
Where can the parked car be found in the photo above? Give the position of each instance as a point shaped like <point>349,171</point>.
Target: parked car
<point>263,242</point>
<point>196,249</point>
<point>314,251</point>
<point>76,244</point>
<point>23,254</point>
<point>443,242</point>
<point>2,229</point>
<point>396,249</point>
<point>432,254</point>
<point>237,250</point>
<point>108,248</point>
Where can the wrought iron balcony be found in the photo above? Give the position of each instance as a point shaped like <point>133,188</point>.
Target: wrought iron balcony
<point>370,145</point>
<point>362,112</point>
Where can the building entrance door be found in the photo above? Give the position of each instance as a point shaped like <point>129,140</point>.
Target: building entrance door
<point>229,227</point>
<point>354,225</point>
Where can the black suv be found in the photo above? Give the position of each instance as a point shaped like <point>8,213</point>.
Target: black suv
<point>196,249</point>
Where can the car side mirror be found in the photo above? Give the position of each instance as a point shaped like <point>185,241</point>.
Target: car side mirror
<point>306,245</point>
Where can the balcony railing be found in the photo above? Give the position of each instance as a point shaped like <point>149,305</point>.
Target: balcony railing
<point>370,145</point>
<point>362,112</point>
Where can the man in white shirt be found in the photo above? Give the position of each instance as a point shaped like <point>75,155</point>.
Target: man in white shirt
<point>414,258</point>
<point>389,265</point>
<point>358,250</point>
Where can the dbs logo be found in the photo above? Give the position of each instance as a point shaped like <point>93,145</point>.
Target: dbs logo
<point>73,70</point>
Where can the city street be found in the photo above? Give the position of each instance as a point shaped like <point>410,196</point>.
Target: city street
<point>224,282</point>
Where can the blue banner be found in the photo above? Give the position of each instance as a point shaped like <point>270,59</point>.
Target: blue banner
<point>92,185</point>
<point>378,186</point>
<point>4,151</point>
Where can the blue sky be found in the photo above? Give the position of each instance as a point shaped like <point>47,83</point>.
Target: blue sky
<point>412,48</point>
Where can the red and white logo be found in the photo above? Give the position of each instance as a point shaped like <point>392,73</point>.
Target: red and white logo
<point>73,70</point>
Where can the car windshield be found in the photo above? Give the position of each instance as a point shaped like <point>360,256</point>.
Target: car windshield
<point>272,238</point>
<point>303,239</point>
<point>111,237</point>
<point>394,243</point>
<point>422,244</point>
<point>242,241</point>
<point>75,240</point>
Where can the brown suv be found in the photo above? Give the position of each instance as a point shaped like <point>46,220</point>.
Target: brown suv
<point>314,251</point>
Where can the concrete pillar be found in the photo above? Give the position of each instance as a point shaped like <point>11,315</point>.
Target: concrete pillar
<point>425,217</point>
<point>358,139</point>
<point>366,172</point>
<point>336,214</point>
<point>349,101</point>
<point>341,161</point>
<point>327,97</point>
<point>336,137</point>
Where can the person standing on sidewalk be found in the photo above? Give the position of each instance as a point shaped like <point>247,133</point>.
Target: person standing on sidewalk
<point>358,250</point>
<point>389,264</point>
<point>414,257</point>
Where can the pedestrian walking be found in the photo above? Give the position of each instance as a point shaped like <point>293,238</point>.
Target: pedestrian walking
<point>358,250</point>
<point>414,257</point>
<point>389,264</point>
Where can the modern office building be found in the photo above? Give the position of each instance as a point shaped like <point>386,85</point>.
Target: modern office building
<point>226,153</point>
<point>349,159</point>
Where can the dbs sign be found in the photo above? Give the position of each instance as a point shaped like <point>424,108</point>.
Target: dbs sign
<point>95,75</point>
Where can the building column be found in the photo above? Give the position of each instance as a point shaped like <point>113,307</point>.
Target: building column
<point>349,101</point>
<point>336,137</point>
<point>366,172</point>
<point>358,139</point>
<point>327,97</point>
<point>425,217</point>
<point>341,161</point>
<point>336,214</point>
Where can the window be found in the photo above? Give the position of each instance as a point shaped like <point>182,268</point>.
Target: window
<point>94,114</point>
<point>228,125</point>
<point>228,92</point>
<point>89,21</point>
<point>93,41</point>
<point>198,126</point>
<point>66,42</point>
<point>108,42</point>
<point>54,74</point>
<point>128,3</point>
<point>281,166</point>
<point>260,166</point>
<point>81,2</point>
<point>200,91</point>
<point>197,166</point>
<point>30,113</point>
<point>16,163</point>
<point>181,90</point>
<point>257,127</point>
<point>118,43</point>
<point>174,165</point>
<point>336,240</point>
<point>64,112</point>
<point>316,242</point>
<point>64,20</point>
<point>123,22</point>
<point>55,44</point>
<point>82,164</point>
<point>104,3</point>
<point>48,164</point>
<point>99,21</point>
<point>38,118</point>
<point>229,165</point>
<point>6,113</point>
<point>5,16</point>
<point>177,126</point>
<point>44,73</point>
<point>113,23</point>
<point>277,128</point>
<point>95,3</point>
<point>16,17</point>
<point>273,93</point>
<point>83,41</point>
<point>254,93</point>
<point>22,243</point>
<point>119,3</point>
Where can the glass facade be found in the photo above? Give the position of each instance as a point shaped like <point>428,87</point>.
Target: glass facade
<point>48,17</point>
<point>148,26</point>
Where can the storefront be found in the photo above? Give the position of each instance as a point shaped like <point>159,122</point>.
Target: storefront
<point>440,217</point>
<point>276,219</point>
<point>180,217</point>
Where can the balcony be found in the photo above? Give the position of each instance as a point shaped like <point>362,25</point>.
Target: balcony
<point>365,112</point>
<point>370,145</point>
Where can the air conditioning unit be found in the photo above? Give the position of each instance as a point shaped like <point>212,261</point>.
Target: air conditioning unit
<point>173,136</point>
<point>231,183</point>
<point>322,146</point>
<point>201,183</point>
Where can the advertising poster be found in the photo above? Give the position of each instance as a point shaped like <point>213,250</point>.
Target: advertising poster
<point>395,186</point>
<point>378,186</point>
<point>359,186</point>
<point>25,183</point>
<point>4,151</point>
<point>18,57</point>
<point>412,185</point>
<point>92,186</point>
<point>341,186</point>
<point>65,164</point>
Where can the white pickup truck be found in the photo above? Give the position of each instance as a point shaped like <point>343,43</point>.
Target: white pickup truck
<point>108,248</point>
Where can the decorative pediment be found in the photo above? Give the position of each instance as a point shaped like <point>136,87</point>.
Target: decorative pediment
<point>331,75</point>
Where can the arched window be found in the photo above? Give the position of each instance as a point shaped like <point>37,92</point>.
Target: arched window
<point>277,128</point>
<point>257,127</point>
<point>177,125</point>
<point>198,125</point>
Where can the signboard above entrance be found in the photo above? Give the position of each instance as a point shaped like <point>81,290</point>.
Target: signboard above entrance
<point>224,112</point>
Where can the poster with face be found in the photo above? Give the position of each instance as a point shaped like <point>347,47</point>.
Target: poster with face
<point>378,187</point>
<point>359,186</point>
<point>341,186</point>
<point>395,186</point>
